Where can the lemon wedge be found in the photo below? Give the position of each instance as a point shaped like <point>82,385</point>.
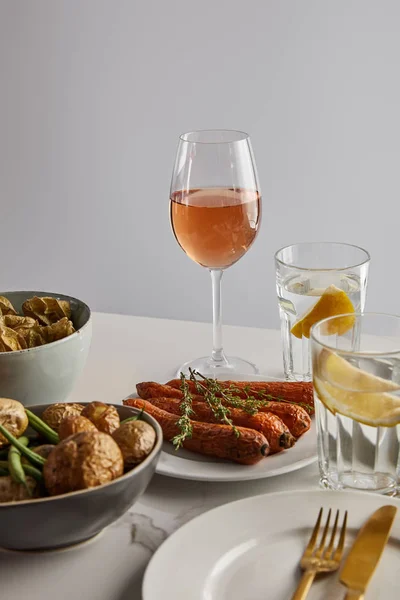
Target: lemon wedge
<point>368,400</point>
<point>341,373</point>
<point>333,301</point>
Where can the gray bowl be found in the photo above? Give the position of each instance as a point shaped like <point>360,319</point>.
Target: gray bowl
<point>68,519</point>
<point>47,373</point>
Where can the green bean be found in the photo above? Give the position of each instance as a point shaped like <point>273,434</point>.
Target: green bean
<point>35,459</point>
<point>29,470</point>
<point>128,420</point>
<point>33,472</point>
<point>135,418</point>
<point>14,463</point>
<point>41,427</point>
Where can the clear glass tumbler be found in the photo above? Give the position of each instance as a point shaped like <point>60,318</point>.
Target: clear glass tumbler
<point>315,281</point>
<point>356,378</point>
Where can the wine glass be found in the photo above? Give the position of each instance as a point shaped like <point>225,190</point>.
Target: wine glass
<point>215,209</point>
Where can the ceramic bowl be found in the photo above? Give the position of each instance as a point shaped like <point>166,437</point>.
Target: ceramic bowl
<point>68,519</point>
<point>47,373</point>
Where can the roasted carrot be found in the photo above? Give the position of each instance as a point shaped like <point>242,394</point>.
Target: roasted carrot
<point>295,417</point>
<point>210,439</point>
<point>295,392</point>
<point>151,389</point>
<point>278,435</point>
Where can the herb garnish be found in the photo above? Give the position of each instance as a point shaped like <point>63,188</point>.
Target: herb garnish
<point>184,423</point>
<point>219,399</point>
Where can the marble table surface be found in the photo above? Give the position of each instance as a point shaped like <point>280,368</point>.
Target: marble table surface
<point>111,566</point>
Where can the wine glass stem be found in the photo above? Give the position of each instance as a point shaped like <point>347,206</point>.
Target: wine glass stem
<point>217,353</point>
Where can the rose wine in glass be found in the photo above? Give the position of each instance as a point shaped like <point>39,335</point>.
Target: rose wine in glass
<point>215,210</point>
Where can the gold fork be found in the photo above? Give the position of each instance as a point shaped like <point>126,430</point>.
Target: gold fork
<point>321,559</point>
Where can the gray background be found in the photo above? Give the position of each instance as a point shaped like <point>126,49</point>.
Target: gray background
<point>95,93</point>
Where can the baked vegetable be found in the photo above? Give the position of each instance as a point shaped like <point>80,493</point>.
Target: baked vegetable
<point>15,492</point>
<point>35,459</point>
<point>295,417</point>
<point>28,469</point>
<point>74,424</point>
<point>54,414</point>
<point>82,461</point>
<point>151,389</point>
<point>276,432</point>
<point>13,418</point>
<point>136,440</point>
<point>15,469</point>
<point>296,392</point>
<point>104,416</point>
<point>41,427</point>
<point>241,445</point>
<point>43,450</point>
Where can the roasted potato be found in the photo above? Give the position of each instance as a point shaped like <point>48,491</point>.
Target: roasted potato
<point>136,440</point>
<point>104,416</point>
<point>82,461</point>
<point>15,492</point>
<point>43,450</point>
<point>13,418</point>
<point>54,414</point>
<point>72,424</point>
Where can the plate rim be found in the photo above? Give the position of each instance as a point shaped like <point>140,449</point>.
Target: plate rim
<point>152,564</point>
<point>247,476</point>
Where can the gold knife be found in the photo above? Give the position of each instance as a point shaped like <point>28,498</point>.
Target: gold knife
<point>366,551</point>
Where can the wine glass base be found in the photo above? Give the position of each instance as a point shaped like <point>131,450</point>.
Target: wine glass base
<point>210,368</point>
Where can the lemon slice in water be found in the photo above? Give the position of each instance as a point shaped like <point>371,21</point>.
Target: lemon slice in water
<point>333,301</point>
<point>366,400</point>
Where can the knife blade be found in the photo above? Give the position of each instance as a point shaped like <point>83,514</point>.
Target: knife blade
<point>366,551</point>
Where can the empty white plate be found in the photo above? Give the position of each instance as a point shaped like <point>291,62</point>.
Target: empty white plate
<point>250,550</point>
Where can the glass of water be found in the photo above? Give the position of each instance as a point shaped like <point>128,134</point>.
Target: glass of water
<point>315,281</point>
<point>356,378</point>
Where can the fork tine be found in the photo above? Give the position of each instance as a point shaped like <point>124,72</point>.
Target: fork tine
<point>320,550</point>
<point>339,550</point>
<point>329,549</point>
<point>313,539</point>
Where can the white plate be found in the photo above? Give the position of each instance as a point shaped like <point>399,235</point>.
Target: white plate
<point>250,550</point>
<point>188,465</point>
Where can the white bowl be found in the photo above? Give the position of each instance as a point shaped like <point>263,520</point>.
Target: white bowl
<point>46,374</point>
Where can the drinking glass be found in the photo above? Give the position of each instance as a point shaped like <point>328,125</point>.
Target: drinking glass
<point>215,210</point>
<point>315,281</point>
<point>356,378</point>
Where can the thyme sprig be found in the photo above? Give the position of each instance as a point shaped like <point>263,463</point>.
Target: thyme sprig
<point>220,399</point>
<point>184,423</point>
<point>255,399</point>
<point>210,391</point>
<point>265,398</point>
